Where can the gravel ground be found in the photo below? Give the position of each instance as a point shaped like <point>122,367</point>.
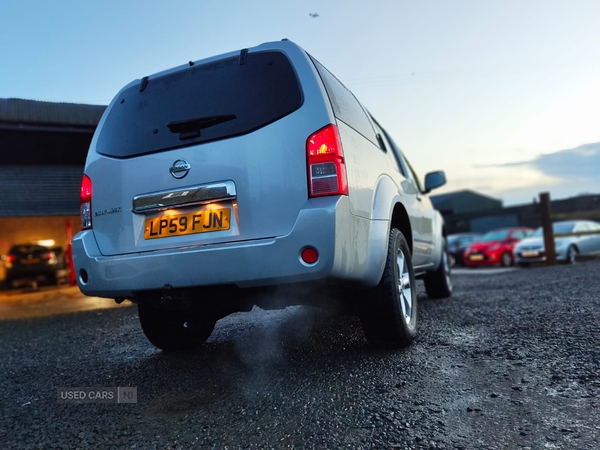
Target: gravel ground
<point>512,361</point>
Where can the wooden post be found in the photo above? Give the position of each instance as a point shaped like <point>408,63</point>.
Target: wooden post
<point>547,226</point>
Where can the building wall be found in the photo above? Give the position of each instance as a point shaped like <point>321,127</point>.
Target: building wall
<point>484,224</point>
<point>18,230</point>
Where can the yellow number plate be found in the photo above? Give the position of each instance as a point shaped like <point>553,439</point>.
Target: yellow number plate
<point>202,221</point>
<point>30,261</point>
<point>476,257</point>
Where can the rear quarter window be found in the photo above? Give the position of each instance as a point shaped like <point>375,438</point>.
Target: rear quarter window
<point>345,106</point>
<point>202,103</point>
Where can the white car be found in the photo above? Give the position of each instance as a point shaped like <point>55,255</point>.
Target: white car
<point>572,238</point>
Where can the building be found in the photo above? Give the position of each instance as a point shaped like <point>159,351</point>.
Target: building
<point>468,210</point>
<point>43,147</point>
<point>471,211</point>
<point>465,201</point>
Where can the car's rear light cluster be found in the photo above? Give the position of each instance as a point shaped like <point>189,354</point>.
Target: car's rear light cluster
<point>326,167</point>
<point>86,203</point>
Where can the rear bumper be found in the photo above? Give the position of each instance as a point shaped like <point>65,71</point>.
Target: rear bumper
<point>560,256</point>
<point>325,224</point>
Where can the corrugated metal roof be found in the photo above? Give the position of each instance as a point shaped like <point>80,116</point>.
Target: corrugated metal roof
<point>464,201</point>
<point>17,110</point>
<point>27,191</point>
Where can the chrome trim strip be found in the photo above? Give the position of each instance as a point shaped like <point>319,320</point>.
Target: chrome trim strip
<point>188,196</point>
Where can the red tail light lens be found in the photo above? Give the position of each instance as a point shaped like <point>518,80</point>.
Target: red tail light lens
<point>86,203</point>
<point>51,258</point>
<point>326,167</point>
<point>11,259</point>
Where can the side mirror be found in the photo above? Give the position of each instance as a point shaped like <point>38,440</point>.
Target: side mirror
<point>434,180</point>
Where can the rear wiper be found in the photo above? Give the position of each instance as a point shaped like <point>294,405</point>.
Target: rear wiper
<point>190,129</point>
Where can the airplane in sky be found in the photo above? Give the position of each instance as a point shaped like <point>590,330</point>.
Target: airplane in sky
<point>313,15</point>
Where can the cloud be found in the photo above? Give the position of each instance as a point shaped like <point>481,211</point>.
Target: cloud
<point>565,173</point>
<point>574,164</point>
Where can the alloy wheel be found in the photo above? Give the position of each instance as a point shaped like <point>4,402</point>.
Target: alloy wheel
<point>404,287</point>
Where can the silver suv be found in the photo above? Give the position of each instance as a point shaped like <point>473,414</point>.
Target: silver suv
<point>254,178</point>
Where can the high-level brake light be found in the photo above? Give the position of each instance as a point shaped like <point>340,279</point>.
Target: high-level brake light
<point>86,203</point>
<point>326,167</point>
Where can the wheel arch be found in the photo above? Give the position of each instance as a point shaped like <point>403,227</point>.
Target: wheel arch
<point>388,205</point>
<point>388,211</point>
<point>401,221</point>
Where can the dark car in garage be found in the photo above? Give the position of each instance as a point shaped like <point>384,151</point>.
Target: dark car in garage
<point>26,263</point>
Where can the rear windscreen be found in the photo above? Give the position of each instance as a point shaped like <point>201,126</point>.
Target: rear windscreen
<point>202,103</point>
<point>21,250</point>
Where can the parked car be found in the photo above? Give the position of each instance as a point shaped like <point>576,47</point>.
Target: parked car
<point>458,243</point>
<point>583,239</point>
<point>254,178</point>
<point>32,262</point>
<point>495,247</point>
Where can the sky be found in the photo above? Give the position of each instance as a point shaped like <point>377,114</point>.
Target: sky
<point>503,95</point>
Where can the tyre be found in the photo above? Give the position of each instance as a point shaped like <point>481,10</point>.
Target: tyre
<point>12,283</point>
<point>438,284</point>
<point>453,261</point>
<point>55,278</point>
<point>572,253</point>
<point>173,330</point>
<point>506,260</point>
<point>388,314</point>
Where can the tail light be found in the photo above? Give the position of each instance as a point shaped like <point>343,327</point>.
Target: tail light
<point>10,259</point>
<point>51,258</point>
<point>86,203</point>
<point>326,167</point>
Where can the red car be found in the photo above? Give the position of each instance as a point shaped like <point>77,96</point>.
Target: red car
<point>495,247</point>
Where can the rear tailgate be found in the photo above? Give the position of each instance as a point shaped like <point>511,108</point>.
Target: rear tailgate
<point>269,179</point>
<point>222,134</point>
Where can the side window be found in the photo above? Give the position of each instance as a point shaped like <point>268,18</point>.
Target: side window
<point>388,147</point>
<point>518,235</point>
<point>397,154</point>
<point>405,167</point>
<point>345,106</point>
<point>414,176</point>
